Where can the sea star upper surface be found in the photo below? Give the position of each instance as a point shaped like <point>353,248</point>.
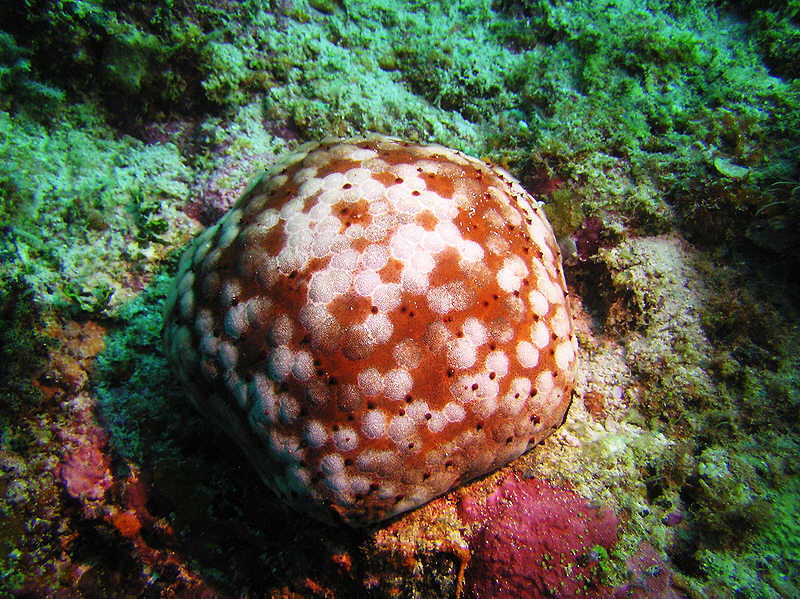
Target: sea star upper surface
<point>375,322</point>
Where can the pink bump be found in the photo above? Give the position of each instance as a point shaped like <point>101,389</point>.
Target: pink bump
<point>440,300</point>
<point>564,354</point>
<point>374,257</point>
<point>378,327</point>
<point>280,331</point>
<point>544,382</point>
<point>397,384</point>
<point>318,393</point>
<point>497,362</point>
<point>231,292</point>
<point>370,382</point>
<point>401,428</point>
<point>204,322</point>
<point>321,288</point>
<point>540,335</point>
<point>345,439</point>
<point>373,424</point>
<point>402,248</point>
<point>510,276</point>
<point>521,385</point>
<point>437,422</point>
<point>378,207</point>
<point>387,296</point>
<point>359,485</point>
<point>299,479</point>
<point>280,364</point>
<point>332,463</point>
<point>303,367</point>
<point>414,282</point>
<point>560,322</point>
<point>471,251</point>
<point>417,410</point>
<point>527,354</point>
<point>286,447</point>
<point>485,407</point>
<point>358,175</point>
<point>538,302</point>
<point>454,412</point>
<point>407,354</point>
<point>461,353</point>
<point>553,292</point>
<point>365,282</point>
<point>228,355</point>
<point>469,388</point>
<point>315,434</point>
<point>288,409</point>
<point>333,181</point>
<point>187,305</point>
<point>345,260</point>
<point>422,261</point>
<point>370,189</point>
<point>475,331</point>
<point>257,309</point>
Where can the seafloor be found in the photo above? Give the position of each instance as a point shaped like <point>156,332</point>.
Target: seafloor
<point>664,140</point>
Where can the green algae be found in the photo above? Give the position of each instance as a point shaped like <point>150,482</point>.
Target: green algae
<point>139,63</point>
<point>70,221</point>
<point>17,88</point>
<point>133,386</point>
<point>670,99</point>
<point>776,30</point>
<point>226,71</point>
<point>671,95</point>
<point>22,350</point>
<point>766,559</point>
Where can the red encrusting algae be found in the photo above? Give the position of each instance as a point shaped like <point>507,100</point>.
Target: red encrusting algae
<point>537,541</point>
